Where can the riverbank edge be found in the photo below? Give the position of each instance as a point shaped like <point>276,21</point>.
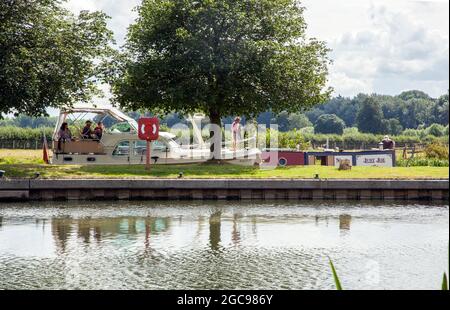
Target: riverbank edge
<point>221,189</point>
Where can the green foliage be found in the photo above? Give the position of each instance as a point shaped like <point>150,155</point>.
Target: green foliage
<point>422,162</point>
<point>25,121</point>
<point>15,133</point>
<point>435,130</point>
<point>392,126</point>
<point>298,121</point>
<point>307,130</point>
<point>352,139</point>
<point>437,150</point>
<point>292,139</point>
<point>48,57</point>
<point>339,286</point>
<point>351,131</point>
<point>442,110</point>
<point>370,117</point>
<point>329,124</point>
<point>412,132</point>
<point>336,277</point>
<point>445,279</point>
<point>413,94</point>
<point>411,109</point>
<point>222,57</point>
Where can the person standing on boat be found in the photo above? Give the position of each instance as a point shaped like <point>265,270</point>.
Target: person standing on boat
<point>236,131</point>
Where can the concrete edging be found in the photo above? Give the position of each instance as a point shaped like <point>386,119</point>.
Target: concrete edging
<point>80,189</point>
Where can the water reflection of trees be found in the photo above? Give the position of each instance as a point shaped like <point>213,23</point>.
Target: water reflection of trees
<point>345,222</point>
<point>214,230</point>
<point>236,234</point>
<point>88,229</point>
<point>61,231</point>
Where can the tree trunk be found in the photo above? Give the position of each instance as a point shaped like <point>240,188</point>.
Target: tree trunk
<point>215,135</point>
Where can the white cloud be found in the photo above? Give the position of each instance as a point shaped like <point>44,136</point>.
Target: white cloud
<point>122,13</point>
<point>383,46</point>
<point>349,85</point>
<point>391,50</point>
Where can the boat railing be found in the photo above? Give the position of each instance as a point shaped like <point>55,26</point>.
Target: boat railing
<point>224,144</point>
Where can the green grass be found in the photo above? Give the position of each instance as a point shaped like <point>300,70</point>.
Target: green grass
<point>25,163</point>
<point>221,171</point>
<point>10,157</point>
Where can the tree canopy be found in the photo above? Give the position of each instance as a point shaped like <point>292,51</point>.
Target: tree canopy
<point>221,57</point>
<point>329,124</point>
<point>410,110</point>
<point>370,117</point>
<point>48,57</point>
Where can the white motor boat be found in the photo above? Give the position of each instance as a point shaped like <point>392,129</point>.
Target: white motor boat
<point>120,145</point>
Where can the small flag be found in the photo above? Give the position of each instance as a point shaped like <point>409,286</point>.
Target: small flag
<point>45,150</point>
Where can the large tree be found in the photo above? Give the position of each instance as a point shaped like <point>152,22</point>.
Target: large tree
<point>48,57</point>
<point>222,57</point>
<point>370,117</point>
<point>329,124</point>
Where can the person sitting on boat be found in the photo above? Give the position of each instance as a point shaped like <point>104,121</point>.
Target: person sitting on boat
<point>64,134</point>
<point>388,144</point>
<point>87,131</point>
<point>98,131</point>
<point>236,130</point>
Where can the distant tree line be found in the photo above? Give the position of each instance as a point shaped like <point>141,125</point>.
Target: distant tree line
<point>377,114</point>
<point>385,114</point>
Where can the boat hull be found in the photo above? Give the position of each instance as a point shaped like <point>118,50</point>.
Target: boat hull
<point>249,159</point>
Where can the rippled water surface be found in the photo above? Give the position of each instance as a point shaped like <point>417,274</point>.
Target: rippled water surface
<point>155,245</point>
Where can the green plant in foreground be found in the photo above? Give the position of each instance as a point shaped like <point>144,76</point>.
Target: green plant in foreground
<point>336,277</point>
<point>339,286</point>
<point>445,280</point>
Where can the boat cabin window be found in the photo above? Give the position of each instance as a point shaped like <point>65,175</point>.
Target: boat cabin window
<point>159,146</point>
<point>122,149</point>
<point>140,147</point>
<point>120,128</point>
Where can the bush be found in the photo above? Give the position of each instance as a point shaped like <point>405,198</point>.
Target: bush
<point>15,133</point>
<point>435,130</point>
<point>349,140</point>
<point>351,131</point>
<point>329,124</point>
<point>307,131</point>
<point>292,139</point>
<point>422,162</point>
<point>437,150</point>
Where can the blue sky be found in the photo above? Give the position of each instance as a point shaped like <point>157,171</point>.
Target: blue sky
<point>381,46</point>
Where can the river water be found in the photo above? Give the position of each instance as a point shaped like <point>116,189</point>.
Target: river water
<point>223,245</point>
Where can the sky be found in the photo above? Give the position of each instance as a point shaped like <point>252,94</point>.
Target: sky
<point>378,46</point>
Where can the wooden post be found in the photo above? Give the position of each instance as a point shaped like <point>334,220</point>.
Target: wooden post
<point>147,165</point>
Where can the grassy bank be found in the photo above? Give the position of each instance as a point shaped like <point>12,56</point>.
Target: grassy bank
<point>25,163</point>
<point>222,171</point>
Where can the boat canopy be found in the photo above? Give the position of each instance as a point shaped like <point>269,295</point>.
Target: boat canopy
<point>98,109</point>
